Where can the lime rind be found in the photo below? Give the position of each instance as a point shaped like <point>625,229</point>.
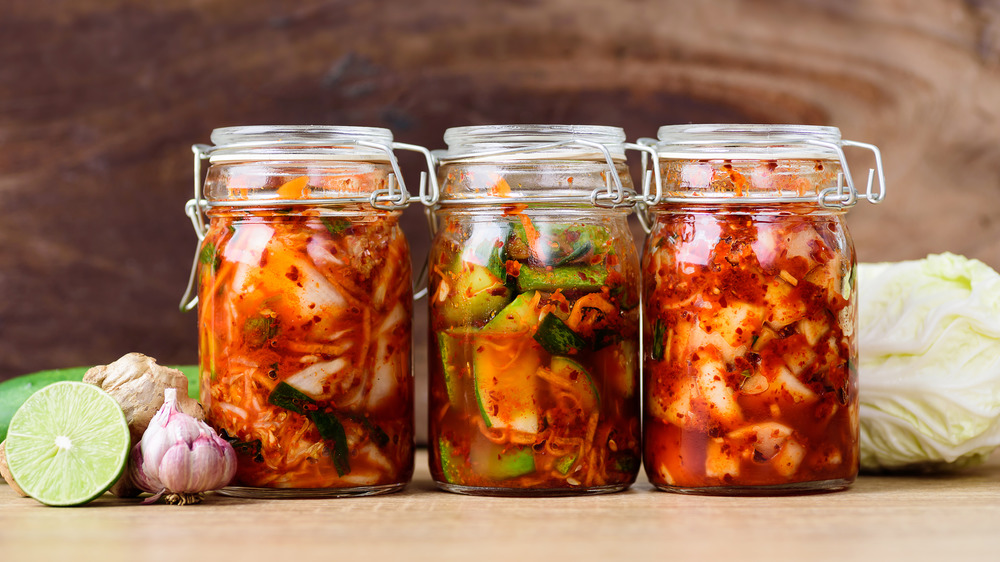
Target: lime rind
<point>67,444</point>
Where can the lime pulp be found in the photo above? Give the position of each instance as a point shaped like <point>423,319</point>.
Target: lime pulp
<point>67,444</point>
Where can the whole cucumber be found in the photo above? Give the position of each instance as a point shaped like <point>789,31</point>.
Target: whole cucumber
<point>15,391</point>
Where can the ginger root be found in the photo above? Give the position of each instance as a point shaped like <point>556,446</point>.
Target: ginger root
<point>5,471</point>
<point>137,383</point>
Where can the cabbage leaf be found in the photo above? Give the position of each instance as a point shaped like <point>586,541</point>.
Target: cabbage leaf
<point>929,363</point>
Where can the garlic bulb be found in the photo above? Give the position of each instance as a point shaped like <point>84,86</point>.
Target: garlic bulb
<point>180,456</point>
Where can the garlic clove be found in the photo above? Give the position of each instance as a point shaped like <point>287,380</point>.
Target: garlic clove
<point>181,468</point>
<point>138,475</point>
<point>181,456</point>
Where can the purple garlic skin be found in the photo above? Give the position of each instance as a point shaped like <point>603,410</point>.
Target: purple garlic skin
<point>179,454</point>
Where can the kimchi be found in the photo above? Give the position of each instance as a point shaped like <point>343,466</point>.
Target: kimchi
<point>304,329</point>
<point>533,363</point>
<point>750,354</point>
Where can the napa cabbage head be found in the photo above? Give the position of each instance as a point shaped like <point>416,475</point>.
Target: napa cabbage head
<point>929,363</point>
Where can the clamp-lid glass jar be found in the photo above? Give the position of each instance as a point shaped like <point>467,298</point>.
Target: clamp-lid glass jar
<point>304,308</point>
<point>534,313</point>
<point>750,311</point>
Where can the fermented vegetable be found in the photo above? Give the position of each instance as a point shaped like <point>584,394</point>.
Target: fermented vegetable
<point>750,325</point>
<point>304,322</point>
<point>534,367</point>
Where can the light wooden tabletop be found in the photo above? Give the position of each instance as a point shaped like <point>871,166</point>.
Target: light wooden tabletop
<point>942,518</point>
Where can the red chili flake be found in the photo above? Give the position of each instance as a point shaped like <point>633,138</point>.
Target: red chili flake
<point>513,268</point>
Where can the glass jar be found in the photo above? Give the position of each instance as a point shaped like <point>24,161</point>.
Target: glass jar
<point>534,313</point>
<point>304,306</point>
<point>750,312</point>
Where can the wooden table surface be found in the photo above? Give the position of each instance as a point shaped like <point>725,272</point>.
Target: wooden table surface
<point>942,518</point>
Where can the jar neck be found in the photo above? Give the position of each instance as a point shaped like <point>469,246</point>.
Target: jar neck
<point>533,142</point>
<point>257,182</point>
<point>752,181</point>
<point>794,209</point>
<point>569,183</point>
<point>353,212</point>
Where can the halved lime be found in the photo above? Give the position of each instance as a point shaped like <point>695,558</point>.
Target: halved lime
<point>67,444</point>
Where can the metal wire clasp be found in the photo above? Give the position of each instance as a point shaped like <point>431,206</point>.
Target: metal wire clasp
<point>613,195</point>
<point>650,177</point>
<point>393,197</point>
<point>836,197</point>
<point>845,194</point>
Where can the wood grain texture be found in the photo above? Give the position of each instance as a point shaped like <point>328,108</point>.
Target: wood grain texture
<point>100,101</point>
<point>915,519</point>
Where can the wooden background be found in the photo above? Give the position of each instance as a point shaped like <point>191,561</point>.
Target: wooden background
<point>100,101</point>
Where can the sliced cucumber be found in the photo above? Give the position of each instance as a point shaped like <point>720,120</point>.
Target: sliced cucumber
<point>565,463</point>
<point>521,312</point>
<point>451,464</point>
<point>576,377</point>
<point>582,277</point>
<point>497,462</point>
<point>454,345</point>
<point>560,244</point>
<point>557,338</point>
<point>628,375</point>
<point>617,365</point>
<point>504,376</point>
<point>476,296</point>
<point>627,463</point>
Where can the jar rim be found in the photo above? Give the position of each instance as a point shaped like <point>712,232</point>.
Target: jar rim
<point>748,141</point>
<point>533,142</point>
<point>249,142</point>
<point>319,133</point>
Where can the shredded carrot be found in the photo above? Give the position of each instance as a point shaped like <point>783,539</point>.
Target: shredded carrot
<point>531,234</point>
<point>294,189</point>
<point>590,300</point>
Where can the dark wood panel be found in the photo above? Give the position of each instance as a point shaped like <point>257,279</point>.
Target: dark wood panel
<point>100,101</point>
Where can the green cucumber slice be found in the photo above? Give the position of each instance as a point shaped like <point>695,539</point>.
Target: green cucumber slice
<point>618,366</point>
<point>454,345</point>
<point>565,463</point>
<point>515,316</point>
<point>577,377</point>
<point>505,381</point>
<point>557,338</point>
<point>497,462</point>
<point>581,277</point>
<point>450,462</point>
<point>476,296</point>
<point>561,243</point>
